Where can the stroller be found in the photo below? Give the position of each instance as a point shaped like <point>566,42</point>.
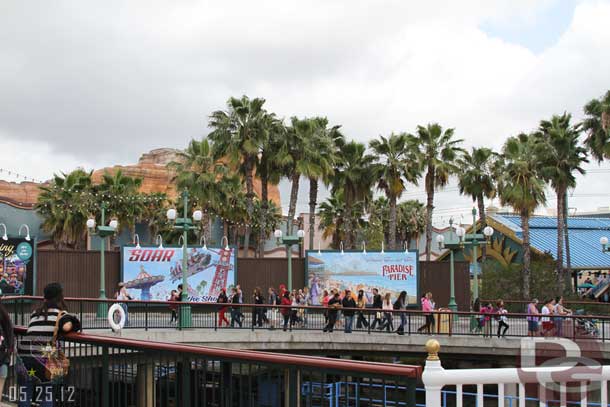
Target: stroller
<point>585,326</point>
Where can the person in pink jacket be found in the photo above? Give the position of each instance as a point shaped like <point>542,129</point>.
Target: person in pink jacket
<point>427,306</point>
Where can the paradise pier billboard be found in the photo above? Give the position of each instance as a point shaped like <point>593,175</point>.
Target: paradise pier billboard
<point>392,272</point>
<point>151,273</point>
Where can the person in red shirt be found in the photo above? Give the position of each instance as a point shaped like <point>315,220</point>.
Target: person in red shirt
<point>222,299</point>
<point>285,311</point>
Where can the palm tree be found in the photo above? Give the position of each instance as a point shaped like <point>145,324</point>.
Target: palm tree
<point>238,133</point>
<point>273,217</point>
<point>65,204</point>
<point>299,142</point>
<point>123,199</point>
<point>476,180</point>
<point>354,178</point>
<point>560,156</point>
<point>331,216</point>
<point>521,186</point>
<point>411,220</point>
<point>438,152</point>
<point>597,126</point>
<point>269,168</point>
<point>153,214</point>
<point>323,157</point>
<point>397,162</point>
<point>199,171</point>
<point>233,212</point>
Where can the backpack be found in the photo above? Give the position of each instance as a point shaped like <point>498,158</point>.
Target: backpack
<point>278,300</point>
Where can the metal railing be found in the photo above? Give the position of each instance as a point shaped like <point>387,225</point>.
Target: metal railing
<point>159,315</point>
<point>108,372</point>
<point>590,307</point>
<point>568,384</point>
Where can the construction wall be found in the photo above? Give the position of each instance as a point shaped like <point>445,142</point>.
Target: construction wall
<point>79,272</point>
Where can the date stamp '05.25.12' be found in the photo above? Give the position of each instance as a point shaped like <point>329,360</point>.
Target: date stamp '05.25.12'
<point>41,393</point>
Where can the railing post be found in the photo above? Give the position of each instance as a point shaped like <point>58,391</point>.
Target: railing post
<point>105,396</point>
<point>15,314</point>
<point>186,382</point>
<point>80,311</point>
<point>433,375</point>
<point>215,316</point>
<point>146,316</point>
<point>292,387</point>
<point>409,322</point>
<point>411,392</point>
<point>21,310</point>
<point>226,384</point>
<point>368,315</point>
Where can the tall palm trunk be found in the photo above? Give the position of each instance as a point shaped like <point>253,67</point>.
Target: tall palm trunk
<point>392,222</point>
<point>236,241</point>
<point>207,222</point>
<point>313,197</point>
<point>347,223</point>
<point>264,208</point>
<point>560,225</point>
<point>225,230</point>
<point>249,202</point>
<point>429,209</point>
<point>525,226</point>
<point>568,269</point>
<point>481,204</point>
<point>605,121</point>
<point>294,193</point>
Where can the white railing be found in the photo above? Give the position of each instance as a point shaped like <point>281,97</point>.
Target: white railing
<point>553,383</point>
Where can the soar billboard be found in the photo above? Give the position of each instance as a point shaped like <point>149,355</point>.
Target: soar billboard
<point>16,266</point>
<point>151,273</point>
<point>389,272</point>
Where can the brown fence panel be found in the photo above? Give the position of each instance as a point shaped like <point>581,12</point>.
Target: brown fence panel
<point>434,276</point>
<point>77,271</point>
<point>268,272</point>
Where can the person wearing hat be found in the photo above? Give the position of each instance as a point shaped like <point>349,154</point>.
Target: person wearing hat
<point>39,335</point>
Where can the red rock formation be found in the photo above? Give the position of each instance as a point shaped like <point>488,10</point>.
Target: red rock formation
<point>151,168</point>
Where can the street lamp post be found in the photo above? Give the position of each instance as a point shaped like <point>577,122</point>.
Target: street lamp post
<point>184,224</point>
<point>451,244</point>
<point>289,241</point>
<point>103,232</point>
<point>473,240</point>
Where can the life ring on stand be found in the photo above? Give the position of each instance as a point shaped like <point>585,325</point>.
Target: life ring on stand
<point>116,308</point>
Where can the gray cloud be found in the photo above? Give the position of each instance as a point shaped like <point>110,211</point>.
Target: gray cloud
<point>98,83</point>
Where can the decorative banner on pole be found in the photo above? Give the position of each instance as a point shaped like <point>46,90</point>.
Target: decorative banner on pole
<point>16,266</point>
<point>151,273</point>
<point>389,272</point>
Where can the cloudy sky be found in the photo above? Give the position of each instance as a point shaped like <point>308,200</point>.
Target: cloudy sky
<point>92,83</point>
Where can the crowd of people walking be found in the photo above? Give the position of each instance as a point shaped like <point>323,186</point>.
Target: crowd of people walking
<point>345,309</point>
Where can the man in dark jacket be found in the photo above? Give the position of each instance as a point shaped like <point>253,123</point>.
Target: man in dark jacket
<point>348,302</point>
<point>235,311</point>
<point>377,305</point>
<point>333,306</point>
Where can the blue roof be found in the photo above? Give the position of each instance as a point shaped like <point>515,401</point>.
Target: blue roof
<point>584,235</point>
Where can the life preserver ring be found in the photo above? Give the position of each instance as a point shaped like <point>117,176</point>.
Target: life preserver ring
<point>116,308</point>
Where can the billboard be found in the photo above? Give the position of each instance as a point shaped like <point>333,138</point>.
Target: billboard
<point>16,266</point>
<point>151,273</point>
<point>390,272</point>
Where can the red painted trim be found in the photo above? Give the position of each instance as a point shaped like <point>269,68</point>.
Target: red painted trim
<point>409,371</point>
